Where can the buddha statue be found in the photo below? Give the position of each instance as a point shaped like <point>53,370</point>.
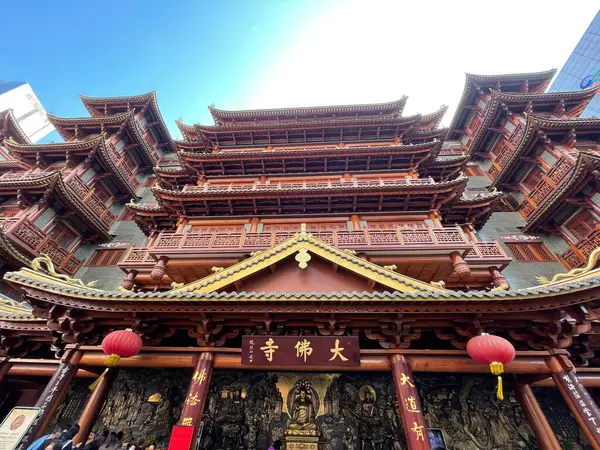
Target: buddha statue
<point>303,408</point>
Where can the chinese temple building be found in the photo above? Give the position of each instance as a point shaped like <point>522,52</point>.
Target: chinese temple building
<point>309,275</point>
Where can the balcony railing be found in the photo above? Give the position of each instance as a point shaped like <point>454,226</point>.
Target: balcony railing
<point>578,256</point>
<point>282,186</point>
<point>487,251</point>
<point>451,237</point>
<point>446,238</point>
<point>88,197</point>
<point>27,235</point>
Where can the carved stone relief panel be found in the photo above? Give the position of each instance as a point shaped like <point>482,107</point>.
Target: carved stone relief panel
<point>565,427</point>
<point>465,408</point>
<point>145,404</point>
<point>77,396</point>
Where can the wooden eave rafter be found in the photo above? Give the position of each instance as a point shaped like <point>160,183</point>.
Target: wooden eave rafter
<point>10,128</point>
<point>476,209</point>
<point>415,154</point>
<point>452,186</point>
<point>392,109</point>
<point>517,100</point>
<point>567,290</point>
<point>54,182</point>
<point>581,174</point>
<point>67,126</point>
<point>95,147</point>
<point>95,105</point>
<point>13,256</point>
<point>550,127</point>
<point>488,82</point>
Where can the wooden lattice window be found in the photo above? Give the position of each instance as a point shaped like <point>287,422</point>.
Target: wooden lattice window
<point>63,235</point>
<point>105,258</point>
<point>582,225</point>
<point>532,252</point>
<point>532,179</point>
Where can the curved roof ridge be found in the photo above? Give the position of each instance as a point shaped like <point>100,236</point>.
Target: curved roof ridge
<point>112,118</point>
<point>8,115</point>
<point>397,105</point>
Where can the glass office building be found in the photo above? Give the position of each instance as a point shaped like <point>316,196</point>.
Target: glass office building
<point>582,69</point>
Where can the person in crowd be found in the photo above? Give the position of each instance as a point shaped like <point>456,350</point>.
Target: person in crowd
<point>112,442</point>
<point>132,446</point>
<point>38,444</point>
<point>67,437</point>
<point>53,444</point>
<point>151,446</point>
<point>96,442</point>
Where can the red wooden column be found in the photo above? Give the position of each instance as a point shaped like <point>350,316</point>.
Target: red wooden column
<point>5,366</point>
<point>193,407</point>
<point>409,405</point>
<point>537,420</point>
<point>578,399</point>
<point>52,397</point>
<point>94,406</point>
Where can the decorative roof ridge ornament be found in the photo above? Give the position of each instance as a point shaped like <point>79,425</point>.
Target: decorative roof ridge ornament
<point>592,261</point>
<point>303,257</point>
<point>45,260</point>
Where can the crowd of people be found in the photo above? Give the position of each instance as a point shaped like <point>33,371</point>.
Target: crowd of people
<point>61,438</point>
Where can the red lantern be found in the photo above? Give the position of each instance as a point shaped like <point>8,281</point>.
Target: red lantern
<point>118,344</point>
<point>492,350</point>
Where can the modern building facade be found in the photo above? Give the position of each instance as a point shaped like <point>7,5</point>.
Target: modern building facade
<point>582,69</point>
<point>310,275</point>
<point>26,108</point>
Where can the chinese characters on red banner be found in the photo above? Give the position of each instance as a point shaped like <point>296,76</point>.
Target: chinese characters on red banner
<point>300,350</point>
<point>193,406</point>
<point>409,406</point>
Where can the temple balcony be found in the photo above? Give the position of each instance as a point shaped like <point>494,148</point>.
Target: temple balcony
<point>308,185</point>
<point>429,252</point>
<point>87,196</point>
<point>26,235</point>
<point>66,189</point>
<point>579,254</point>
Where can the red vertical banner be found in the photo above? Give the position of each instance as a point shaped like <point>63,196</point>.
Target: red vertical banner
<point>409,405</point>
<point>193,407</point>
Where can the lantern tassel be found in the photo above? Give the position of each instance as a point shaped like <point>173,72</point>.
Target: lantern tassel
<point>497,368</point>
<point>111,361</point>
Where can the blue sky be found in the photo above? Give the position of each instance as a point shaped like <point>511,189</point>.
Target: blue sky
<point>274,53</point>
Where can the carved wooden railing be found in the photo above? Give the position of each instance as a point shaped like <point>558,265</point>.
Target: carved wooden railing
<point>121,163</point>
<point>87,196</point>
<point>137,257</point>
<point>282,186</point>
<point>556,176</point>
<point>487,250</point>
<point>365,239</point>
<point>578,256</point>
<point>26,234</point>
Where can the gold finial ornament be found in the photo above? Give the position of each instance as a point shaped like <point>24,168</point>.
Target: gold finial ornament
<point>216,269</point>
<point>440,284</point>
<point>175,285</point>
<point>592,261</point>
<point>303,257</point>
<point>391,267</point>
<point>44,260</point>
